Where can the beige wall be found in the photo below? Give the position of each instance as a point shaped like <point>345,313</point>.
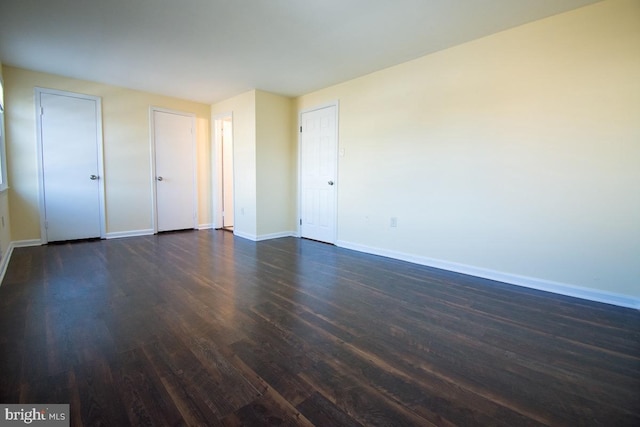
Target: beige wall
<point>263,172</point>
<point>127,146</point>
<point>515,153</point>
<point>276,174</point>
<point>243,110</point>
<point>5,223</point>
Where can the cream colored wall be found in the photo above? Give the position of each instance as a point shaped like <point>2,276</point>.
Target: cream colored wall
<point>127,157</point>
<point>243,109</point>
<point>263,172</point>
<point>275,172</point>
<point>517,153</point>
<point>5,222</point>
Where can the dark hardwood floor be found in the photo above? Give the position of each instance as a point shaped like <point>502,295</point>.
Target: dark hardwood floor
<point>201,328</point>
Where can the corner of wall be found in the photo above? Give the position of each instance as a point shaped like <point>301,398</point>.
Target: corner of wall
<point>275,172</point>
<point>5,219</point>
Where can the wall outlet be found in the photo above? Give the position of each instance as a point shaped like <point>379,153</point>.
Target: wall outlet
<point>393,222</point>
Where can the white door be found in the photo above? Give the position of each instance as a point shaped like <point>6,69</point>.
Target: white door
<point>227,173</point>
<point>173,135</point>
<point>70,143</point>
<point>318,169</point>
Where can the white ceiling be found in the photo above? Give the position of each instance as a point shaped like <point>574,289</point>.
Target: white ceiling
<point>209,50</point>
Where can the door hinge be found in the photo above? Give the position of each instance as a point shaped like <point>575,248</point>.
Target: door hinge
<point>300,221</point>
<point>46,225</point>
<point>42,111</point>
<point>300,129</point>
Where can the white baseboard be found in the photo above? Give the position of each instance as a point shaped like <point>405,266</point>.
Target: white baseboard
<point>261,237</point>
<point>247,236</point>
<point>275,235</point>
<point>4,263</point>
<point>132,233</point>
<point>512,279</point>
<point>205,226</point>
<point>26,243</point>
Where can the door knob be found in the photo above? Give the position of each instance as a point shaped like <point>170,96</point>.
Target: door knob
<point>330,182</point>
<point>93,177</point>
<point>159,178</point>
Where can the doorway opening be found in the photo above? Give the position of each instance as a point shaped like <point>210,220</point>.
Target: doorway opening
<point>223,161</point>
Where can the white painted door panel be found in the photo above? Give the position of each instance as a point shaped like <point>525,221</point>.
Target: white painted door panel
<point>318,174</point>
<point>69,132</point>
<point>174,167</point>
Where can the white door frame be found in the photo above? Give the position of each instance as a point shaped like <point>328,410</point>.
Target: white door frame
<point>335,104</point>
<point>38,102</point>
<point>154,185</point>
<point>216,162</point>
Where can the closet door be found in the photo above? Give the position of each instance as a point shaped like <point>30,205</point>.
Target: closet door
<point>173,135</point>
<point>70,145</point>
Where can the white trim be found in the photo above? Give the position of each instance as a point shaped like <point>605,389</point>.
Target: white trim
<point>27,243</point>
<point>275,235</point>
<point>215,191</point>
<point>335,104</point>
<point>132,233</point>
<point>205,226</point>
<point>4,186</point>
<point>216,167</point>
<point>101,189</point>
<point>262,237</point>
<point>512,279</point>
<point>244,235</point>
<point>152,167</point>
<point>4,263</point>
<point>194,161</point>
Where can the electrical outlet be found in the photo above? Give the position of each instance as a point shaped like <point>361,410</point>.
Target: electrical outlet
<point>394,222</point>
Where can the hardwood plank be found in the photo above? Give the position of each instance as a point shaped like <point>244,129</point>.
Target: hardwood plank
<point>237,391</point>
<point>268,410</point>
<point>146,400</point>
<point>322,412</point>
<point>204,328</point>
<point>99,398</point>
<point>372,371</point>
<point>192,406</point>
<point>273,371</point>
